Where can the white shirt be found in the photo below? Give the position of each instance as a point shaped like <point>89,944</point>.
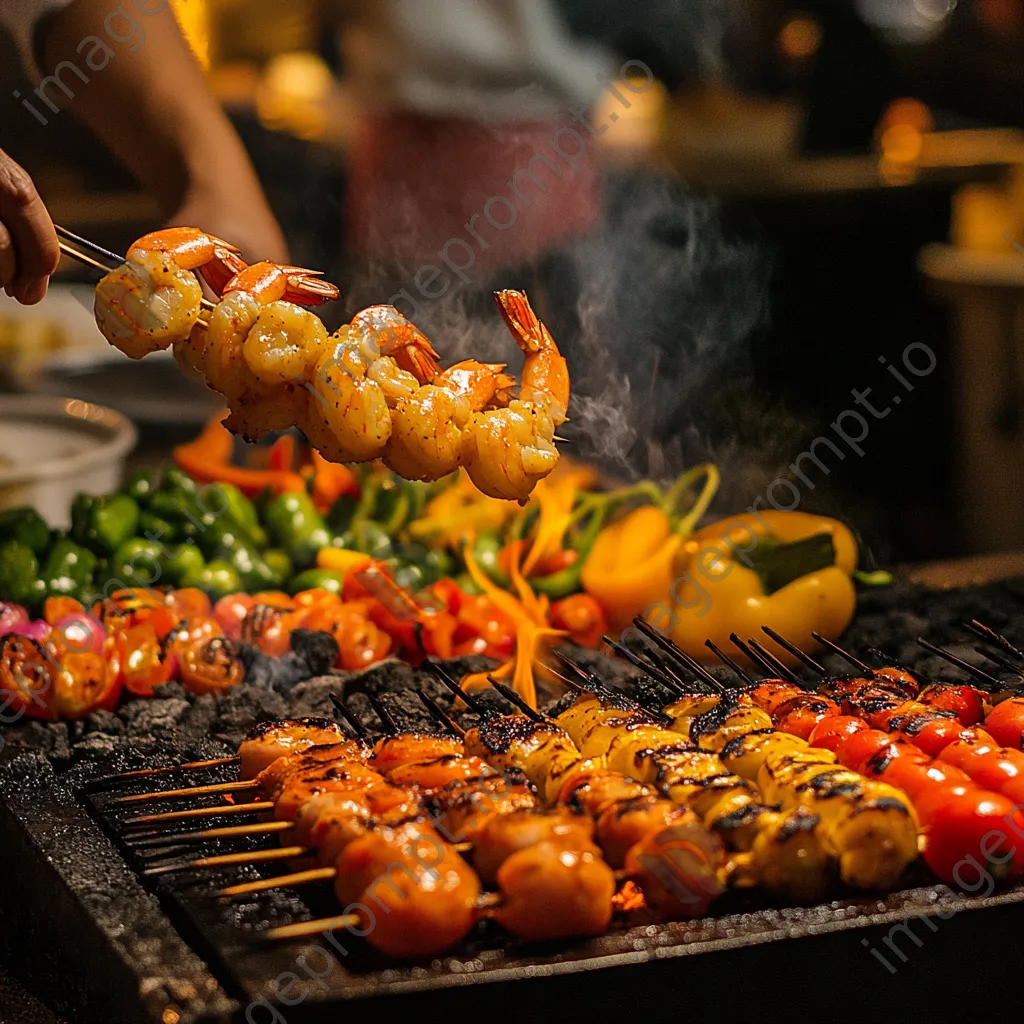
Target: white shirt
<point>482,59</point>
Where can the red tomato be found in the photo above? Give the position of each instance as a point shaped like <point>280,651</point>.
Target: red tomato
<point>831,733</point>
<point>55,608</point>
<point>479,617</point>
<point>864,746</point>
<point>931,798</point>
<point>438,636</point>
<point>974,839</point>
<point>898,679</point>
<point>231,611</point>
<point>997,768</point>
<point>143,666</point>
<point>275,598</point>
<point>209,665</point>
<point>934,736</point>
<point>189,603</point>
<point>581,617</point>
<point>803,720</point>
<point>966,701</point>
<point>1006,723</point>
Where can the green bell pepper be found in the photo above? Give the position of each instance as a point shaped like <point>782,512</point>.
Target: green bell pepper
<point>485,550</point>
<point>112,520</point>
<point>230,499</point>
<point>175,479</point>
<point>567,581</point>
<point>154,527</point>
<point>140,485</point>
<point>342,513</point>
<point>138,563</point>
<point>19,574</point>
<point>181,561</point>
<point>295,525</point>
<point>224,540</point>
<point>81,513</point>
<point>26,525</point>
<point>368,537</point>
<point>69,569</point>
<point>217,579</point>
<point>313,578</point>
<point>280,564</point>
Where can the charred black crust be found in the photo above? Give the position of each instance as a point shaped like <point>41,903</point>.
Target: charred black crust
<point>797,823</point>
<point>498,734</point>
<point>883,803</point>
<point>740,818</point>
<point>737,745</point>
<point>879,762</point>
<point>828,785</point>
<point>911,724</point>
<point>260,729</point>
<point>804,702</point>
<point>714,718</point>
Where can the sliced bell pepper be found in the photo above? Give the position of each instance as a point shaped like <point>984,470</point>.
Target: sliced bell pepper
<point>208,460</point>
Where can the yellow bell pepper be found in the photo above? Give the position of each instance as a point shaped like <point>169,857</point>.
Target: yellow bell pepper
<point>342,560</point>
<point>788,570</point>
<point>630,565</point>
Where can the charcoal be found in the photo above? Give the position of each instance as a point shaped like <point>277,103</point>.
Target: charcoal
<point>174,689</point>
<point>153,716</point>
<point>201,715</point>
<point>312,697</point>
<point>317,651</point>
<point>103,722</point>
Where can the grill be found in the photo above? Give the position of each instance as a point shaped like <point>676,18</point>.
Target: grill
<point>106,942</point>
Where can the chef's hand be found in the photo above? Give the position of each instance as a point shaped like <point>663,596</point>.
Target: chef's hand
<point>29,253</point>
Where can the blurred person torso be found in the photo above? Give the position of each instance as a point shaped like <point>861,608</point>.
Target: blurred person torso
<point>473,152</point>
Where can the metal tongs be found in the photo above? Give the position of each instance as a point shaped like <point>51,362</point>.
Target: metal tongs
<point>93,255</point>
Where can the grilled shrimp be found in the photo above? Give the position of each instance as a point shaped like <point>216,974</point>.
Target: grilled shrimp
<point>427,426</point>
<point>371,364</point>
<point>259,345</point>
<point>153,299</point>
<point>506,451</point>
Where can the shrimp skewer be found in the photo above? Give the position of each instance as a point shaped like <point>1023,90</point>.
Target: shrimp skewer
<point>152,300</point>
<point>259,343</point>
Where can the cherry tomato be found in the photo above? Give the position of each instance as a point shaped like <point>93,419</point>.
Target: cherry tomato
<point>28,676</point>
<point>975,838</point>
<point>56,608</point>
<point>479,617</point>
<point>991,767</point>
<point>1006,723</point>
<point>209,665</point>
<point>918,775</point>
<point>189,603</point>
<point>898,679</point>
<point>143,667</point>
<point>861,747</point>
<point>231,611</point>
<point>831,733</point>
<point>581,617</point>
<point>276,598</point>
<point>967,702</point>
<point>438,636</point>
<point>316,597</point>
<point>932,735</point>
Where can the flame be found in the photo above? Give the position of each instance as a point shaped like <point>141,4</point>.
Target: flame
<point>629,898</point>
<point>533,629</point>
<point>556,496</point>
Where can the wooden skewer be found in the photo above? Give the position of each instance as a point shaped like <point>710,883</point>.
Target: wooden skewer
<point>307,928</point>
<point>845,655</point>
<point>229,859</point>
<point>226,832</point>
<point>485,902</point>
<point>203,812</point>
<point>141,772</point>
<point>280,882</point>
<point>287,881</point>
<point>217,787</point>
<point>795,651</point>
